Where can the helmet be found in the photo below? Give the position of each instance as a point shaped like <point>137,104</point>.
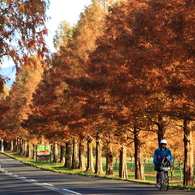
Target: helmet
<point>163,141</point>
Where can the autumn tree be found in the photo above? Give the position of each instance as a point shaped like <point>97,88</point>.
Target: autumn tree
<point>4,92</point>
<point>112,63</point>
<point>64,34</point>
<point>174,33</point>
<point>83,42</point>
<point>20,100</point>
<point>123,69</point>
<point>89,27</point>
<point>4,107</point>
<point>22,30</point>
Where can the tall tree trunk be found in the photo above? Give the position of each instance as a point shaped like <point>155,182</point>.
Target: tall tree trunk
<point>90,167</point>
<point>188,155</point>
<point>19,148</point>
<point>6,146</point>
<point>29,150</point>
<point>123,164</point>
<point>81,155</point>
<point>25,151</point>
<point>22,147</point>
<point>75,155</point>
<point>34,151</point>
<point>161,128</point>
<point>55,152</point>
<point>139,168</point>
<point>98,163</point>
<point>62,154</point>
<point>109,160</point>
<point>15,145</point>
<point>68,155</point>
<point>11,145</point>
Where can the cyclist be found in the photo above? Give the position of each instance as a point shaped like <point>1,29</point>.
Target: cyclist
<point>159,154</point>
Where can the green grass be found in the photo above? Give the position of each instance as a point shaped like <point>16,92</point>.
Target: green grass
<point>150,174</point>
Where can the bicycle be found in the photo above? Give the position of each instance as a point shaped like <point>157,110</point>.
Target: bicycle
<point>163,175</point>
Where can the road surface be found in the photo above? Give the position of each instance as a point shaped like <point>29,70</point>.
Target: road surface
<point>17,178</point>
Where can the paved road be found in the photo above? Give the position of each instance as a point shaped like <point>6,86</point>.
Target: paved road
<point>20,179</point>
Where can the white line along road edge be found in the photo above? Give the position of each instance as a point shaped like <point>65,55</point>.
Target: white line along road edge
<point>35,182</point>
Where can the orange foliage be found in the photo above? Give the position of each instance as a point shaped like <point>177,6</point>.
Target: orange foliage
<point>22,30</point>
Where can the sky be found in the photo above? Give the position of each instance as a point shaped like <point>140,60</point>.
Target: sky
<point>59,10</point>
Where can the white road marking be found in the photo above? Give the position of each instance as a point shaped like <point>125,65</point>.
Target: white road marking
<point>23,178</point>
<point>70,191</point>
<point>45,185</point>
<point>32,180</point>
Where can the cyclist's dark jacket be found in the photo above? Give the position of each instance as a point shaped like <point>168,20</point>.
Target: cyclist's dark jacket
<point>159,154</point>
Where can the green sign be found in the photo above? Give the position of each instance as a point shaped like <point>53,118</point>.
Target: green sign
<point>43,150</point>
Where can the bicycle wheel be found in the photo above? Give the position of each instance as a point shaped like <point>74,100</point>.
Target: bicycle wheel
<point>160,180</point>
<point>161,185</point>
<point>166,181</point>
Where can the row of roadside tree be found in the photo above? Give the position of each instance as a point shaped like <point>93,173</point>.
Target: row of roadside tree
<point>123,78</point>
